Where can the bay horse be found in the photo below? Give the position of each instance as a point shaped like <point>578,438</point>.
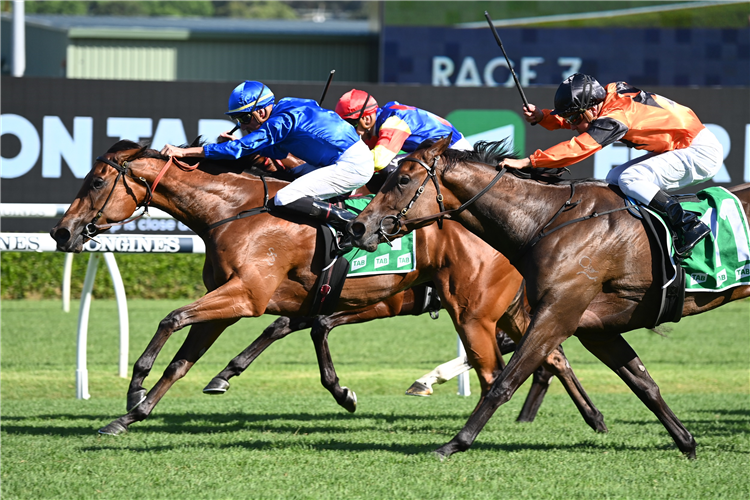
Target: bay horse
<point>265,264</point>
<point>586,261</point>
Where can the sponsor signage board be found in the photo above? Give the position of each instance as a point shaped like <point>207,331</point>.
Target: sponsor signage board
<point>52,129</point>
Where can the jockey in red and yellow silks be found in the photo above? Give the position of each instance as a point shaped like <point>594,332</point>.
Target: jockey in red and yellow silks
<point>681,150</point>
<point>394,127</point>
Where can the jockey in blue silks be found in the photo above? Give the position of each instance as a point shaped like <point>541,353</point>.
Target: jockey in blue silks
<point>336,159</point>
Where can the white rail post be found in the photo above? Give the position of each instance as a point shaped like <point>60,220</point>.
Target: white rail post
<point>67,273</point>
<point>82,373</point>
<point>122,311</point>
<point>19,38</point>
<point>464,382</point>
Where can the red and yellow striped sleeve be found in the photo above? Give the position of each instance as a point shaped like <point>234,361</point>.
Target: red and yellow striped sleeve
<point>393,134</point>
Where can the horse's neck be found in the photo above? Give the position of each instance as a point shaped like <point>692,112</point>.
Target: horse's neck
<point>509,214</point>
<point>198,198</point>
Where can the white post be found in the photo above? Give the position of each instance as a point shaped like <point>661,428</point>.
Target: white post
<point>82,373</point>
<point>67,273</point>
<point>19,39</point>
<point>122,311</point>
<point>464,388</point>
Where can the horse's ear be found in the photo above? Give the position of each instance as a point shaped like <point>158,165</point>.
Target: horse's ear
<point>438,147</point>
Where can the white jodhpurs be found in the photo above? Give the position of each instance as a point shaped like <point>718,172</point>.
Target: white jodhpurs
<point>353,169</point>
<point>641,178</point>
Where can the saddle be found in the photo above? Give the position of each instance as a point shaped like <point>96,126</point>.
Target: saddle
<point>335,271</point>
<point>671,278</point>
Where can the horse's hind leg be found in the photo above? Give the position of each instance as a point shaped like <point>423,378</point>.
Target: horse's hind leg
<point>199,339</point>
<point>275,331</point>
<point>616,353</point>
<point>344,396</point>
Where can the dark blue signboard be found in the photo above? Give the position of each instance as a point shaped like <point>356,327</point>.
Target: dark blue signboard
<point>470,57</point>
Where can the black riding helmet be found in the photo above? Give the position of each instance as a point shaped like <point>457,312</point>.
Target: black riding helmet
<point>578,93</point>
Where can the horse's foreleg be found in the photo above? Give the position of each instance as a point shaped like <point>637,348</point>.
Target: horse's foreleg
<point>275,331</point>
<point>536,345</point>
<point>228,302</point>
<point>142,366</point>
<point>514,323</point>
<point>199,339</point>
<point>616,353</point>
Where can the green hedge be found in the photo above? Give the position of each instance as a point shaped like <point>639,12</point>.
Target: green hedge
<point>26,275</point>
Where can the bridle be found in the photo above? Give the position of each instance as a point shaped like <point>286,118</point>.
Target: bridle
<point>431,174</point>
<point>92,229</point>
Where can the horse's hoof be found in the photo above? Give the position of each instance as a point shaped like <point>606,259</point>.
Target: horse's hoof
<point>217,385</point>
<point>350,402</point>
<point>135,398</point>
<point>113,429</point>
<point>419,389</point>
<point>442,454</point>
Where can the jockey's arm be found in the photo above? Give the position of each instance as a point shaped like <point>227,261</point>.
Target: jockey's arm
<point>195,152</point>
<point>393,134</point>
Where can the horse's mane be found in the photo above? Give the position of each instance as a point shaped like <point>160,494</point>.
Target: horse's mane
<point>492,153</point>
<point>144,150</point>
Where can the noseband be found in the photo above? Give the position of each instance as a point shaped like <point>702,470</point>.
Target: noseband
<point>431,174</point>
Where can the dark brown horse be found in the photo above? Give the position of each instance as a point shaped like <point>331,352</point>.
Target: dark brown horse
<point>264,264</point>
<point>593,278</point>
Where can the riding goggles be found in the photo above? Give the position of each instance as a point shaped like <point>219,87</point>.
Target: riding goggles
<point>574,119</point>
<point>243,119</point>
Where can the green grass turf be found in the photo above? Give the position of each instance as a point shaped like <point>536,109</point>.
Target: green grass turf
<point>278,434</point>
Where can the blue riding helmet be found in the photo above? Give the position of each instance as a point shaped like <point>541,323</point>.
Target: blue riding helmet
<point>248,96</point>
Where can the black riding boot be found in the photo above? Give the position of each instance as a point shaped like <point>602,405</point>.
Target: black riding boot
<point>686,225</point>
<point>323,211</point>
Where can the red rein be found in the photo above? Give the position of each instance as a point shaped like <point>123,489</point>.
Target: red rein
<point>172,160</point>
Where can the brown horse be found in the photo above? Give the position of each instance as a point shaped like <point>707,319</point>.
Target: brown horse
<point>264,264</point>
<point>592,278</point>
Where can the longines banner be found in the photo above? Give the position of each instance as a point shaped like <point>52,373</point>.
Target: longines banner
<point>53,129</point>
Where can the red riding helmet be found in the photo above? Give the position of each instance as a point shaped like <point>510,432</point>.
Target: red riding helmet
<point>355,104</point>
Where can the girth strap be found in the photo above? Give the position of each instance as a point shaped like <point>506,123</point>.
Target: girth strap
<point>567,206</point>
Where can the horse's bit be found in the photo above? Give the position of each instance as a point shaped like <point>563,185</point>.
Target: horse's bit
<point>397,218</point>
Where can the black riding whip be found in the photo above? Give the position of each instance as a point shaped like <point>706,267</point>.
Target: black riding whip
<point>510,66</point>
<point>325,90</point>
<point>320,101</point>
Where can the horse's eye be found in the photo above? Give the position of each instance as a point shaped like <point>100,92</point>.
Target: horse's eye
<point>404,180</point>
<point>98,183</point>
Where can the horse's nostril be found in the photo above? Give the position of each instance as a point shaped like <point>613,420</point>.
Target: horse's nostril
<point>60,235</point>
<point>357,229</point>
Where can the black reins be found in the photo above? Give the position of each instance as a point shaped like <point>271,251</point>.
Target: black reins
<point>431,171</point>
